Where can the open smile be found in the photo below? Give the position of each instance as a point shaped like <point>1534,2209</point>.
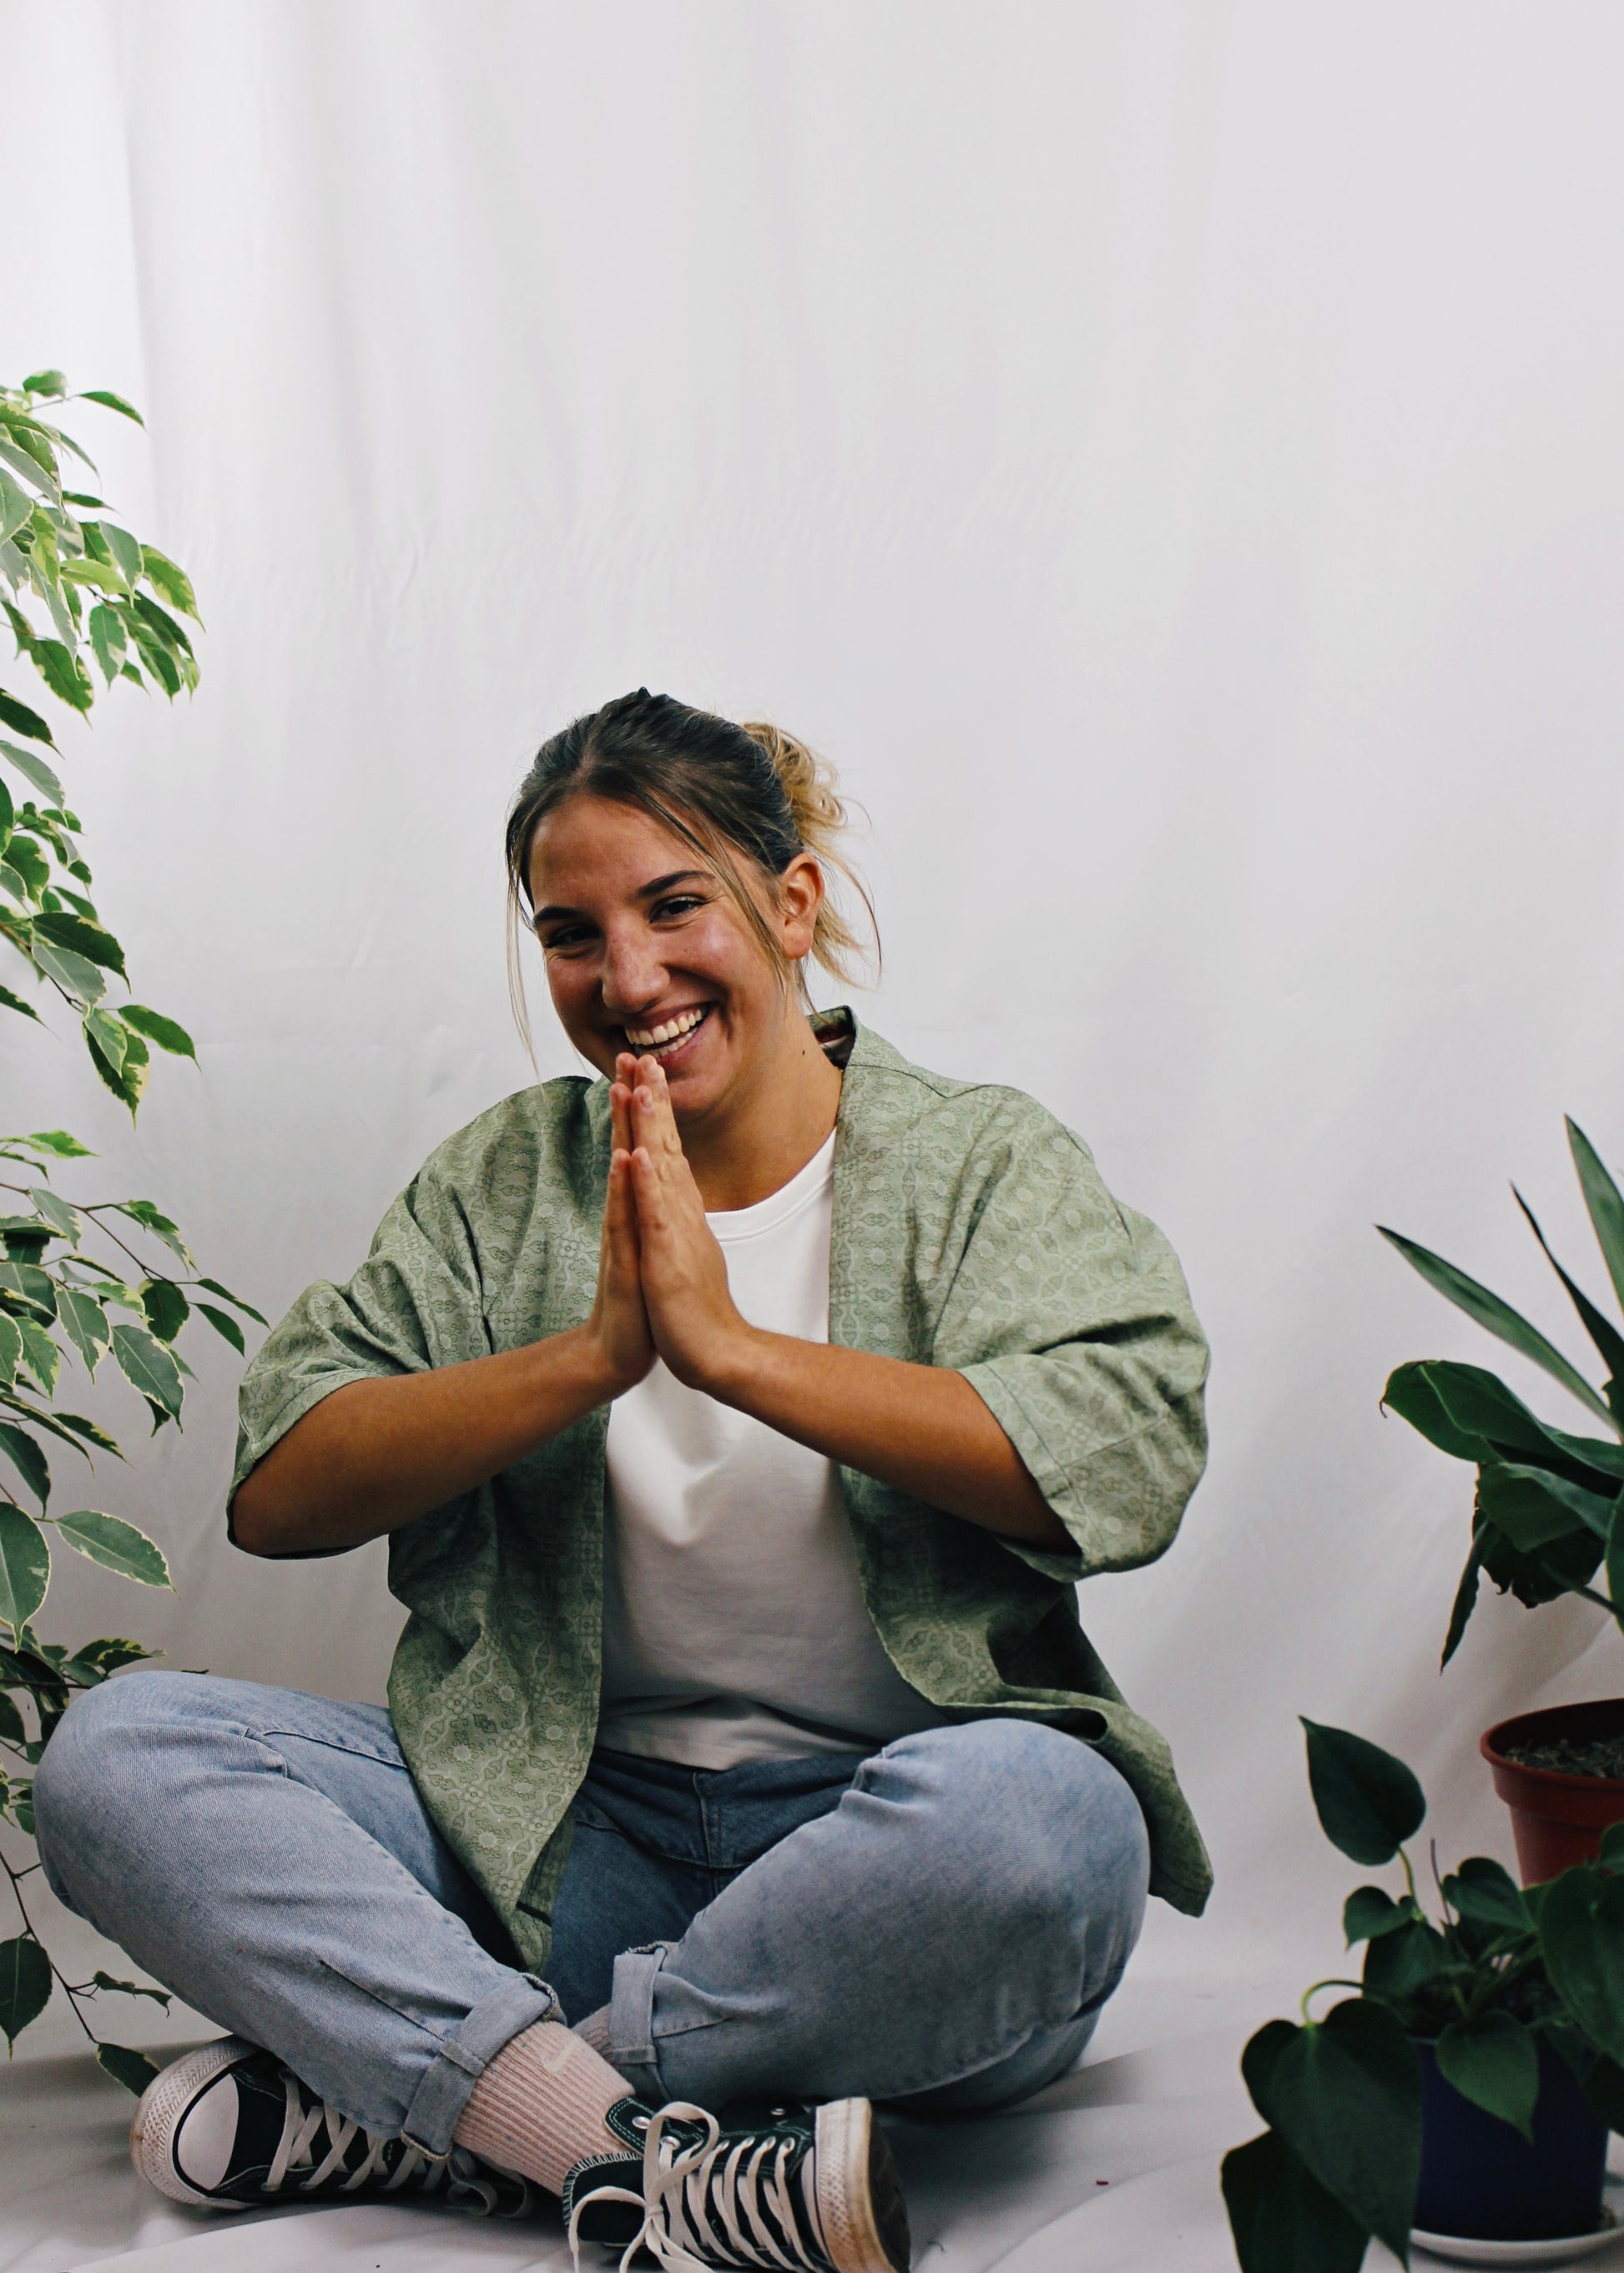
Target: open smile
<point>666,1040</point>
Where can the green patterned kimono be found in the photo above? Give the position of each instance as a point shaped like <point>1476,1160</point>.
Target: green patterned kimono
<point>971,1230</point>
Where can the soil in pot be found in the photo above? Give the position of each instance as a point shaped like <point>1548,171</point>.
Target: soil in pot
<point>1561,1774</point>
<point>1482,2180</point>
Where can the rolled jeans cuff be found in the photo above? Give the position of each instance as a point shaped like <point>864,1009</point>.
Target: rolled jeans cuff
<point>631,2019</point>
<point>456,2068</point>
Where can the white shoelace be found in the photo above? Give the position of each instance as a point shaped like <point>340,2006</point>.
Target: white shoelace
<point>683,2186</point>
<point>458,2171</point>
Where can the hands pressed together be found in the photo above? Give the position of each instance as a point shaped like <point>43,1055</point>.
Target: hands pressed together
<point>662,1280</point>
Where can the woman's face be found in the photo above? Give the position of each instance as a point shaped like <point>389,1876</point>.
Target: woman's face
<point>646,950</point>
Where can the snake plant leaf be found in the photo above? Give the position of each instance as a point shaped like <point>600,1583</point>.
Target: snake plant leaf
<point>1604,1203</point>
<point>1532,1507</point>
<point>1581,1941</point>
<point>1344,2094</point>
<point>1491,2060</point>
<point>1281,2217</point>
<point>1497,1317</point>
<point>1608,1341</point>
<point>24,1566</point>
<point>1368,1803</point>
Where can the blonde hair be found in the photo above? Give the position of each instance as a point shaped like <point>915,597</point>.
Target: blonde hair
<point>724,790</point>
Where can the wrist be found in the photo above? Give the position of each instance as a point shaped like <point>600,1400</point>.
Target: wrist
<point>736,1363</point>
<point>594,1376</point>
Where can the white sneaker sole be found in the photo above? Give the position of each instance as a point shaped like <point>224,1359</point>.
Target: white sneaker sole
<point>158,2113</point>
<point>858,2197</point>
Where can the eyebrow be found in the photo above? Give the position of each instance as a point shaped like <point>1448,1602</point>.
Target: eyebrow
<point>651,891</point>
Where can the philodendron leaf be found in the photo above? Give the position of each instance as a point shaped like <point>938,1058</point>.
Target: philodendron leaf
<point>1281,2217</point>
<point>1401,1966</point>
<point>1485,1891</point>
<point>116,1545</point>
<point>24,1566</point>
<point>1582,1939</point>
<point>1603,1202</point>
<point>1611,1856</point>
<point>1368,1913</point>
<point>132,2069</point>
<point>25,1984</point>
<point>1491,2060</point>
<point>1344,2094</point>
<point>149,1367</point>
<point>1499,1317</point>
<point>1368,1803</point>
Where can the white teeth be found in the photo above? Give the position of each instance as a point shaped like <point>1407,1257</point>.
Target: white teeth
<point>653,1038</point>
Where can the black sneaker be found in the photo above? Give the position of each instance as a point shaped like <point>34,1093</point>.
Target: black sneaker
<point>798,2188</point>
<point>229,2127</point>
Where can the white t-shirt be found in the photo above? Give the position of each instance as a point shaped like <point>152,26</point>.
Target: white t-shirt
<point>734,1625</point>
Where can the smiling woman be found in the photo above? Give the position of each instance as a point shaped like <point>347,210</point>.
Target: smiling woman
<point>742,1421</point>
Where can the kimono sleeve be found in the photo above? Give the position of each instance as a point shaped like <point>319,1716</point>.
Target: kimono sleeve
<point>1069,1317</point>
<point>415,1303</point>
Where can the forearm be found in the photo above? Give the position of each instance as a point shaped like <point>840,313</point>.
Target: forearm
<point>376,1454</point>
<point>920,1429</point>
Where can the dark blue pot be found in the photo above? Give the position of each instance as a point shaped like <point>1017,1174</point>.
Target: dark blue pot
<point>1480,2178</point>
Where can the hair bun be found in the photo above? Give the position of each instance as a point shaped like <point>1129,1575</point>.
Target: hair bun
<point>808,782</point>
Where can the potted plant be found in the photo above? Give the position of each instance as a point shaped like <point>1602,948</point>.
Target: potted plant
<point>1465,2090</point>
<point>82,1280</point>
<point>1548,1514</point>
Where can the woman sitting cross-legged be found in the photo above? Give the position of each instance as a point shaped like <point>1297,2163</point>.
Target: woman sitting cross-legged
<point>741,1422</point>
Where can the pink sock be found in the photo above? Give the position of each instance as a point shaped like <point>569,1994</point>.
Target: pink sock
<point>539,2107</point>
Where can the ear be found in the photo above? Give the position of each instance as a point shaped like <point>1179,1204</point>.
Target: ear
<point>801,895</point>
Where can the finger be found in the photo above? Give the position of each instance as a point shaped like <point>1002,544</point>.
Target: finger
<point>620,1116</point>
<point>657,1127</point>
<point>648,1188</point>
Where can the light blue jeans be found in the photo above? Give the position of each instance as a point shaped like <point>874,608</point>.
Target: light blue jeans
<point>936,1925</point>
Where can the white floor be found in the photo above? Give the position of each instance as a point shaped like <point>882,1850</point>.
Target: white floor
<point>1114,2170</point>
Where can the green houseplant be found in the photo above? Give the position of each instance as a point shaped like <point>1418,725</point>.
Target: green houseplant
<point>1496,2005</point>
<point>81,1279</point>
<point>1548,1517</point>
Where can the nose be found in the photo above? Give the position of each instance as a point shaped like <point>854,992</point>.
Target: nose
<point>634,971</point>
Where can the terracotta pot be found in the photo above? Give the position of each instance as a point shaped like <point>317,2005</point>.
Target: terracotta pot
<point>1557,1819</point>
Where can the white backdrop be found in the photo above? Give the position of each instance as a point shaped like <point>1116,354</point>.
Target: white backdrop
<point>1169,456</point>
